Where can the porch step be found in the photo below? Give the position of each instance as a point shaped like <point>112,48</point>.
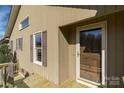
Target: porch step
<point>88,83</point>
<point>37,81</point>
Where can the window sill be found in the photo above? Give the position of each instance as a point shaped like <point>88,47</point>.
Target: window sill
<point>23,28</point>
<point>38,63</point>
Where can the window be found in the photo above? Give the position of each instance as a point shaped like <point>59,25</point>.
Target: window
<point>37,47</point>
<point>23,24</point>
<point>19,44</point>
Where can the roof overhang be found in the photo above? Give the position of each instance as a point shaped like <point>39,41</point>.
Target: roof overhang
<point>12,20</point>
<point>80,22</point>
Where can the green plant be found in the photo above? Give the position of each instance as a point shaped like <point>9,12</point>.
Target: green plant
<point>5,54</point>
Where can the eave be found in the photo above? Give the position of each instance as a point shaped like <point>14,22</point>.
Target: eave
<point>12,20</point>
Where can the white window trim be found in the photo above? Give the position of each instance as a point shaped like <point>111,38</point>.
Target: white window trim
<point>34,50</point>
<point>103,25</point>
<point>20,26</point>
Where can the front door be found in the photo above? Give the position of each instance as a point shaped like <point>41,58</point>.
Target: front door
<point>90,52</point>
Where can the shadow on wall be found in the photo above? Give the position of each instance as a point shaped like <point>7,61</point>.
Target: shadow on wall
<point>69,34</point>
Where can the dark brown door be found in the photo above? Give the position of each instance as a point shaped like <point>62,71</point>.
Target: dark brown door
<point>90,54</point>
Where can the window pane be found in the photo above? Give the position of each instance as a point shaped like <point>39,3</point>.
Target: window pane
<point>38,52</point>
<point>38,40</point>
<point>90,54</point>
<point>38,45</point>
<point>91,39</point>
<point>19,43</point>
<point>25,23</point>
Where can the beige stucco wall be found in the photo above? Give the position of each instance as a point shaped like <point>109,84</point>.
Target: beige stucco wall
<point>48,18</point>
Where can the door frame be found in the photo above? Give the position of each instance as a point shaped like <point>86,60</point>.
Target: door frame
<point>102,25</point>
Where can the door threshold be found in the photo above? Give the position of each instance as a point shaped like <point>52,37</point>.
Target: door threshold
<point>88,83</point>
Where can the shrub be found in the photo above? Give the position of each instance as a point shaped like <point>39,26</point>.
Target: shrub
<point>5,54</point>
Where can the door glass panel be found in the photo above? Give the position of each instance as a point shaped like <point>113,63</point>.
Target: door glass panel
<point>90,54</point>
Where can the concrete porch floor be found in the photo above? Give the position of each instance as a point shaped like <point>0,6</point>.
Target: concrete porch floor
<point>36,81</point>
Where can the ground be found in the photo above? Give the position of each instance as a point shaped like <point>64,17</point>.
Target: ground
<point>36,81</point>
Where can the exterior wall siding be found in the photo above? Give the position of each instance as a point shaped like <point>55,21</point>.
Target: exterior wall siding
<point>46,18</point>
